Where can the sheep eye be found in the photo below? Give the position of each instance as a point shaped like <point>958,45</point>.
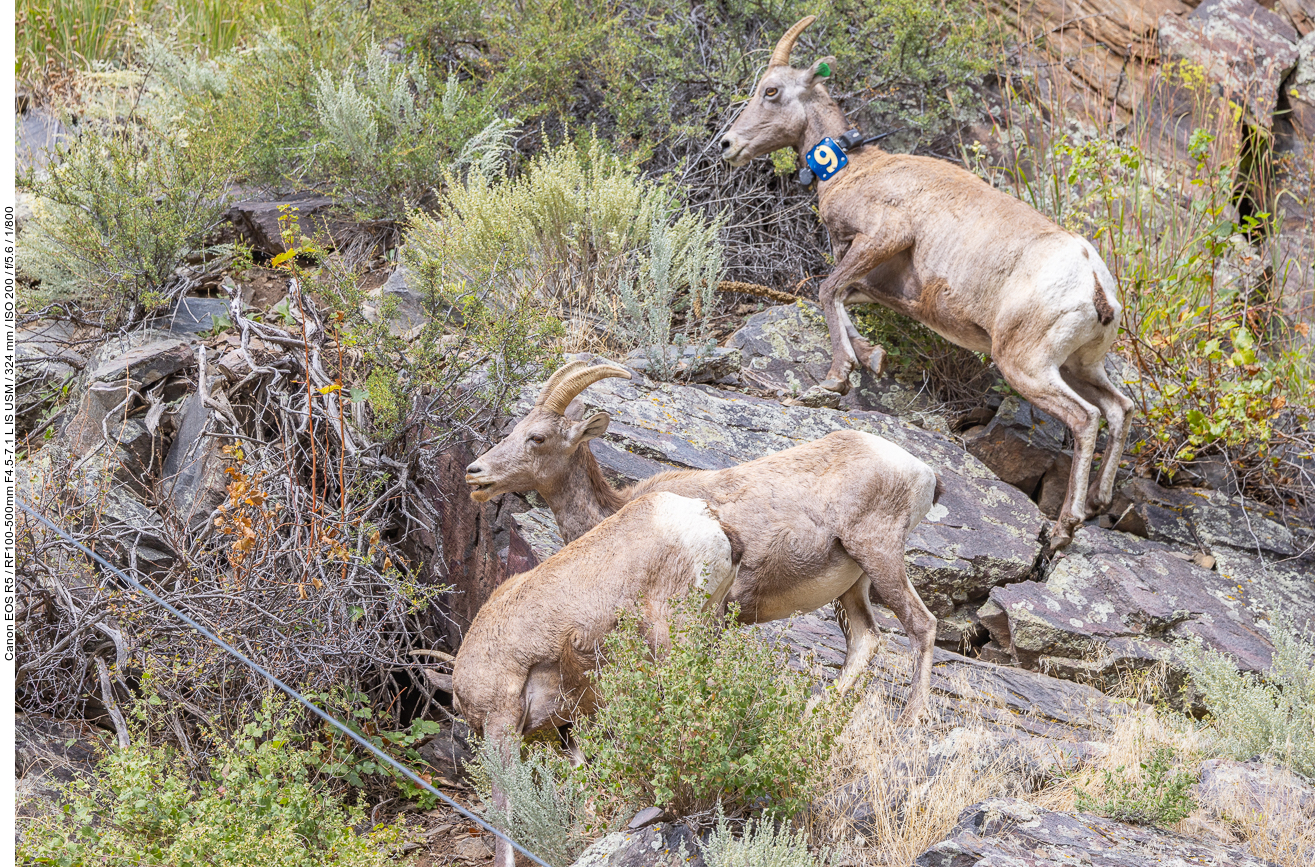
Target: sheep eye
<point>537,439</point>
<point>770,92</point>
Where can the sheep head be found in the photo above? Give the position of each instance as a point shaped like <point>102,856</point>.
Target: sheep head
<point>536,455</point>
<point>777,114</point>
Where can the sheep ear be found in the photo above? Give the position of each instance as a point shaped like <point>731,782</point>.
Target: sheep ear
<point>822,70</point>
<point>592,427</point>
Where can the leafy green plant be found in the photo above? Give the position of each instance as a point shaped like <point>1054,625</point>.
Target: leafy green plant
<point>546,806</point>
<point>721,718</point>
<point>1272,714</point>
<point>1161,794</point>
<point>122,209</point>
<point>259,801</point>
<point>580,235</point>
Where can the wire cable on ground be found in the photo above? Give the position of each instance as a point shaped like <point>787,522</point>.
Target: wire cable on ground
<point>256,667</point>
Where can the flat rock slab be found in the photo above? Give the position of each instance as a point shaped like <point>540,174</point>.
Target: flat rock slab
<point>194,316</point>
<point>1008,831</point>
<point>1115,601</point>
<point>1202,519</point>
<point>982,533</point>
<point>1009,698</point>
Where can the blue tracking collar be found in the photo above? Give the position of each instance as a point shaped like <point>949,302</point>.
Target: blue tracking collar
<point>828,156</point>
<point>825,159</point>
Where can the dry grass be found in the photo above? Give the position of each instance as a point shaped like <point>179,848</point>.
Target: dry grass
<point>915,782</point>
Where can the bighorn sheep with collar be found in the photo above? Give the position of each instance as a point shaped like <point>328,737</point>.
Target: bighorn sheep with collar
<point>936,243</point>
<point>819,522</point>
<point>524,663</point>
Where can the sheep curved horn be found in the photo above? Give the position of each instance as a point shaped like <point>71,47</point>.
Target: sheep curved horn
<point>567,383</point>
<point>781,56</point>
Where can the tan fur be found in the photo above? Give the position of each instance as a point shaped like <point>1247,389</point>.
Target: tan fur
<point>981,268</point>
<point>524,663</point>
<point>819,522</point>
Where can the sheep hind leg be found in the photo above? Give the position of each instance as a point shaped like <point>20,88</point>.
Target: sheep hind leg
<point>1047,389</point>
<point>891,582</point>
<point>1094,385</point>
<point>862,638</point>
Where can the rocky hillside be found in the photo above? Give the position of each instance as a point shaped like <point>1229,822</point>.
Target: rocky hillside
<point>278,292</point>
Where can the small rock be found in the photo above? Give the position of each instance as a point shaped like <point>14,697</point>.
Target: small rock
<point>472,849</point>
<point>657,845</point>
<point>401,305</point>
<point>644,818</point>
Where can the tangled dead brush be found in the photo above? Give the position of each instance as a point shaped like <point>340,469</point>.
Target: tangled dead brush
<point>310,555</point>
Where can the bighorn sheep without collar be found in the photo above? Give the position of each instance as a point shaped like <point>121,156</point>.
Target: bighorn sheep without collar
<point>977,266</point>
<point>525,661</point>
<point>822,521</point>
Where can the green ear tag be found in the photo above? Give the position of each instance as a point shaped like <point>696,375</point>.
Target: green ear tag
<point>824,70</point>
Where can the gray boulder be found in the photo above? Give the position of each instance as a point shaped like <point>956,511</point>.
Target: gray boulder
<point>312,217</point>
<point>661,845</point>
<point>194,482</point>
<point>397,303</point>
<point>785,350</point>
<point>1114,602</point>
<point>48,755</point>
<point>1007,831</point>
<point>1020,444</point>
<point>1244,49</point>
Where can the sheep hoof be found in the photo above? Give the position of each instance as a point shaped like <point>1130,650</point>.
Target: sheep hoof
<point>1061,534</point>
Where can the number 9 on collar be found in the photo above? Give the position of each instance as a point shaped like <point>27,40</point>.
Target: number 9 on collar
<point>826,158</point>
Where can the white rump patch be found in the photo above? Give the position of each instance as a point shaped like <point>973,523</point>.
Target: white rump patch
<point>936,512</point>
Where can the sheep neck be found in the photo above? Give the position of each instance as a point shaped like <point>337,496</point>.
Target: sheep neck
<point>583,497</point>
<point>825,119</point>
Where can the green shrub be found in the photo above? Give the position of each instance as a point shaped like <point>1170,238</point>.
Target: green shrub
<point>546,807</point>
<point>384,134</point>
<point>763,843</point>
<point>260,803</point>
<point>580,234</point>
<point>721,718</point>
<point>1160,795</point>
<point>121,210</point>
<point>1272,714</point>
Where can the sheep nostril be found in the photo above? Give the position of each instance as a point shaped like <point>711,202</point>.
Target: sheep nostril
<point>725,144</point>
<point>474,470</point>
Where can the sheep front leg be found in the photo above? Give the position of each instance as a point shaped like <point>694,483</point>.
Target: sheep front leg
<point>864,253</point>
